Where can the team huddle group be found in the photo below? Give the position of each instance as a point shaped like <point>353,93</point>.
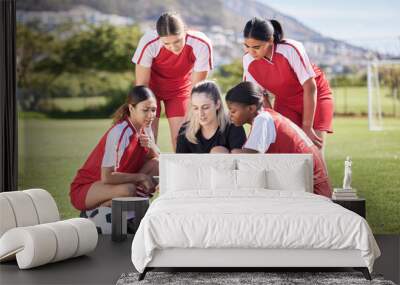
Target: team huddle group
<point>172,65</point>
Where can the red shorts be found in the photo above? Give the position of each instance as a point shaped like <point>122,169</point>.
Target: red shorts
<point>78,194</point>
<point>323,116</point>
<point>174,107</point>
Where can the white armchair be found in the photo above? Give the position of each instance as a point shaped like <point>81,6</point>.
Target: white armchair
<point>31,231</point>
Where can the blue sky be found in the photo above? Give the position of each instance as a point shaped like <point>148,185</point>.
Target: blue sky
<point>368,23</point>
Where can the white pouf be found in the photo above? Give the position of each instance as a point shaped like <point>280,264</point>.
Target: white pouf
<point>66,237</point>
<point>7,220</point>
<point>23,208</point>
<point>87,235</point>
<point>40,244</point>
<point>46,207</point>
<point>32,246</point>
<point>31,233</point>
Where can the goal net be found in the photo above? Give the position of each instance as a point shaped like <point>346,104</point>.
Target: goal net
<point>383,91</point>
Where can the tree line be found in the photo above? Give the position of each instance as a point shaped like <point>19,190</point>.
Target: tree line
<point>83,60</point>
<point>72,61</point>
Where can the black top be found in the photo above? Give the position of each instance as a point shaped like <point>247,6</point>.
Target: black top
<point>232,137</point>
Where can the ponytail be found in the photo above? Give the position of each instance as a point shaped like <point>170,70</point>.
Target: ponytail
<point>121,114</point>
<point>263,30</point>
<point>278,31</point>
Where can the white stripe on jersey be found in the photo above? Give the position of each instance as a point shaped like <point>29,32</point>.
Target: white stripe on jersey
<point>150,45</point>
<point>298,59</point>
<point>247,59</point>
<point>111,157</point>
<point>202,49</point>
<point>262,134</point>
<point>148,48</point>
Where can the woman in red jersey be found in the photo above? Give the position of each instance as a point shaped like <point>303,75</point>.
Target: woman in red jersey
<point>125,158</point>
<point>170,61</point>
<point>271,132</point>
<point>282,67</point>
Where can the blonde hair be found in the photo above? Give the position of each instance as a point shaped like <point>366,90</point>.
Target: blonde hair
<point>211,91</point>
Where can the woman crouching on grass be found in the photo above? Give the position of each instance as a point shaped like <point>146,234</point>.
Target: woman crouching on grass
<point>271,132</point>
<point>124,160</point>
<point>207,129</point>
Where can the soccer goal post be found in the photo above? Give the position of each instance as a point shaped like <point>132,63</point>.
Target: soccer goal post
<point>381,75</point>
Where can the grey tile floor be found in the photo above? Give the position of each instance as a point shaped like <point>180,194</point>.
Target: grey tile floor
<point>110,260</point>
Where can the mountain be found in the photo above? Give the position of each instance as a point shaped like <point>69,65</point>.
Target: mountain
<point>231,14</point>
<point>221,20</point>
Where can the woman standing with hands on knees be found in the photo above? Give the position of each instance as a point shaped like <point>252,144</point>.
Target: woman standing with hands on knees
<point>125,158</point>
<point>170,61</point>
<point>282,67</point>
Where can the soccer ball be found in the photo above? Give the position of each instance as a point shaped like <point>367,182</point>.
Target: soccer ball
<point>101,217</point>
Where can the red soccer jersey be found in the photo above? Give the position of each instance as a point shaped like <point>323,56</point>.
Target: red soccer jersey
<point>284,74</point>
<point>273,133</point>
<point>170,73</point>
<point>118,148</point>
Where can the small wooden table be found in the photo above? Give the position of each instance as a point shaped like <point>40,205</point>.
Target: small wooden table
<point>119,209</point>
<point>356,205</point>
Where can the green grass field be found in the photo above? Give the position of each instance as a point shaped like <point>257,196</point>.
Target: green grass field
<point>355,100</point>
<point>347,100</point>
<point>51,151</point>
